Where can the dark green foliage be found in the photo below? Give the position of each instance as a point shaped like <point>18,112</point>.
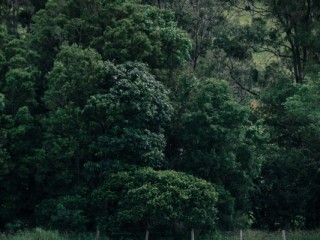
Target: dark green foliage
<point>78,67</point>
<point>119,30</point>
<point>19,129</point>
<point>108,109</point>
<point>130,118</point>
<point>289,182</point>
<point>66,213</point>
<point>144,33</point>
<point>218,143</point>
<point>17,14</point>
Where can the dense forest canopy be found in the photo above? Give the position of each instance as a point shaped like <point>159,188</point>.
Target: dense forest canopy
<point>130,115</point>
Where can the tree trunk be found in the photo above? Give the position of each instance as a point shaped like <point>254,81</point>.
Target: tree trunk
<point>147,235</point>
<point>98,234</point>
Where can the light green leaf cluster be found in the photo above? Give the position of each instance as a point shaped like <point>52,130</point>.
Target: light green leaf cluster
<point>159,198</point>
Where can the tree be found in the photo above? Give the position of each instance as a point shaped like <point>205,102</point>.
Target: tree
<point>119,30</point>
<point>18,13</point>
<point>21,77</point>
<point>200,18</point>
<point>214,139</point>
<point>129,119</point>
<point>289,180</point>
<point>154,36</point>
<point>148,199</point>
<point>19,129</point>
<point>295,33</point>
<point>76,75</point>
<point>65,213</point>
<point>19,170</point>
<point>231,57</point>
<point>4,155</point>
<point>99,114</point>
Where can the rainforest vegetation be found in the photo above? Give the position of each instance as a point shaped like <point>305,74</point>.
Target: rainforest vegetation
<point>130,116</point>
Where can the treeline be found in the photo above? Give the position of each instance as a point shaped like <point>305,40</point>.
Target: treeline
<point>130,115</point>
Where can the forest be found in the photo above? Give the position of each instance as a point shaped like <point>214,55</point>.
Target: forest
<point>130,116</point>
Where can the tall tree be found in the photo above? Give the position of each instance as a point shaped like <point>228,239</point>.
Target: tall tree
<point>19,129</point>
<point>129,119</point>
<point>76,75</point>
<point>200,18</point>
<point>295,33</point>
<point>214,139</point>
<point>289,180</point>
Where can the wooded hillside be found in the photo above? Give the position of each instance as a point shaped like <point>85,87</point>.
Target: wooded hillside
<point>129,115</point>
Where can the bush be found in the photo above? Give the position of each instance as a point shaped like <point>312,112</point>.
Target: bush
<point>64,214</point>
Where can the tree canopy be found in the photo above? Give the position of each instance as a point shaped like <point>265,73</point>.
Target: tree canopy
<point>164,116</point>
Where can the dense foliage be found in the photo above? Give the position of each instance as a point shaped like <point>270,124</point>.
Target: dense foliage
<point>141,115</point>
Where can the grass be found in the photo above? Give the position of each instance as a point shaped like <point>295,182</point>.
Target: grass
<point>36,234</point>
<point>260,235</point>
<point>40,234</point>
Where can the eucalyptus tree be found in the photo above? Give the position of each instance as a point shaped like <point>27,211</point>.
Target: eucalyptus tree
<point>292,28</point>
<point>202,19</point>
